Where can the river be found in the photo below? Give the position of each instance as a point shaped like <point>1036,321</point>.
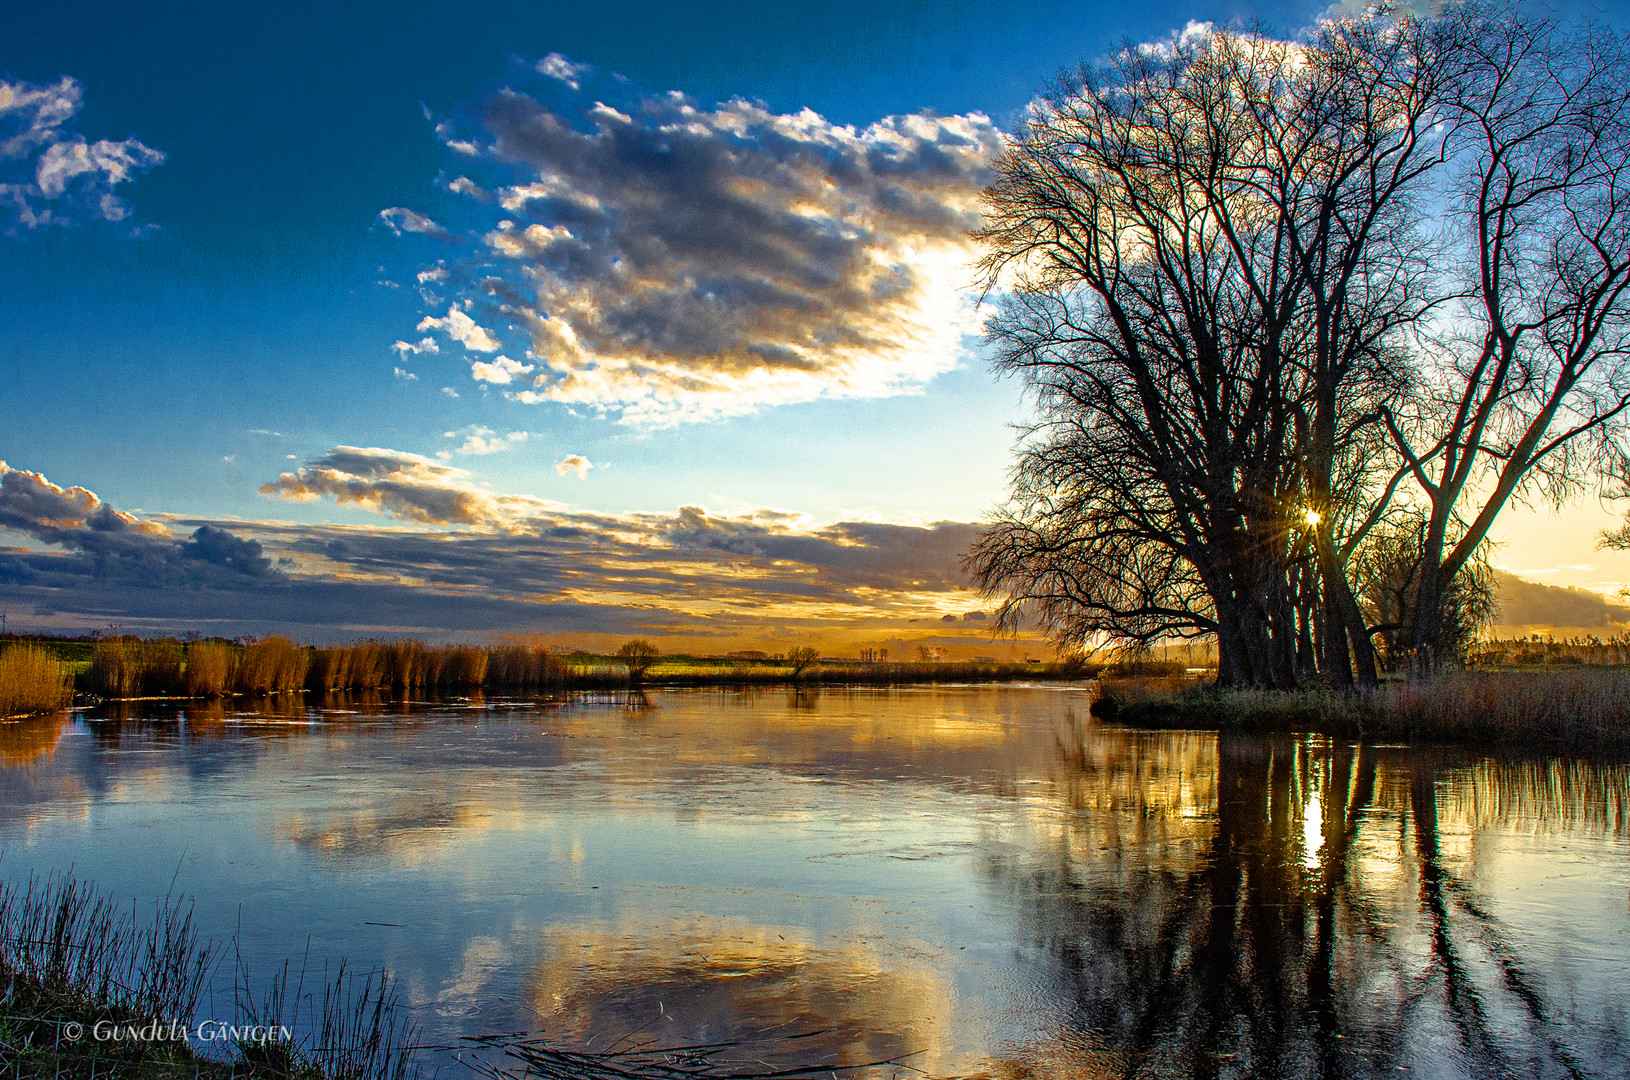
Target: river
<point>973,881</point>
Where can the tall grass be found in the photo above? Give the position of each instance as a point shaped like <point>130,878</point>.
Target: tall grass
<point>271,665</point>
<point>1535,651</point>
<point>518,667</point>
<point>68,954</point>
<point>405,666</point>
<point>32,681</point>
<point>133,667</point>
<point>210,668</point>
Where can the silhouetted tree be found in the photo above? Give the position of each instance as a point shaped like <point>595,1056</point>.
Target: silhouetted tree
<point>1525,384</point>
<point>1205,262</point>
<point>1244,339</point>
<point>637,656</point>
<point>800,658</point>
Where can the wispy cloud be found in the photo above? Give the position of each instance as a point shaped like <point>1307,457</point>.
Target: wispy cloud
<point>558,67</point>
<point>400,219</point>
<point>673,262</point>
<point>50,175</point>
<point>484,440</point>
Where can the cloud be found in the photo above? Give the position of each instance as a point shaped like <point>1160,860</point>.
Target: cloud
<point>576,463</point>
<point>483,440</point>
<point>501,370</point>
<point>673,262</point>
<point>52,176</point>
<point>463,329</point>
<point>425,345</point>
<point>462,559</point>
<point>401,219</point>
<point>405,375</point>
<point>406,486</point>
<point>114,546</point>
<point>559,68</point>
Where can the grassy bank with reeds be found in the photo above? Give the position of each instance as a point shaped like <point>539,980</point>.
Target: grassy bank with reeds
<point>127,666</point>
<point>1581,709</point>
<point>88,989</point>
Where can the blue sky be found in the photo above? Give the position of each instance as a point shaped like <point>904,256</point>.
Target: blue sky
<point>333,176</point>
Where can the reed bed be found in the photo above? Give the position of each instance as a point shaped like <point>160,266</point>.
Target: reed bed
<point>857,673</point>
<point>128,667</point>
<point>70,959</point>
<point>1584,708</point>
<point>406,666</point>
<point>1535,651</point>
<point>210,668</point>
<point>135,667</point>
<point>32,681</point>
<point>272,665</point>
<point>132,667</point>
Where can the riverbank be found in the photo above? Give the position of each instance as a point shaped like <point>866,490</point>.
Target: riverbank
<point>1582,709</point>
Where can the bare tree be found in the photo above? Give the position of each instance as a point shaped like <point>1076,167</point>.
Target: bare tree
<point>800,658</point>
<point>1205,258</point>
<point>637,656</point>
<point>1523,386</point>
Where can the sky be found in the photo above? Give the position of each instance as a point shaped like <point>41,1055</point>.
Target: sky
<point>575,322</point>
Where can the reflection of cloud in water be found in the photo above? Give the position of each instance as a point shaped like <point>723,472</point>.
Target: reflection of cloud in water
<point>703,978</point>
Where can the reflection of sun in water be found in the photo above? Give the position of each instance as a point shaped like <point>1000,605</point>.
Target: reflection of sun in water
<point>1312,829</point>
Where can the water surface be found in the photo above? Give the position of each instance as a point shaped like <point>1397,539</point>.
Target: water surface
<point>981,878</point>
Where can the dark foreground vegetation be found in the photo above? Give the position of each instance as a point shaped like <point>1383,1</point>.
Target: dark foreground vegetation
<point>42,674</point>
<point>88,989</point>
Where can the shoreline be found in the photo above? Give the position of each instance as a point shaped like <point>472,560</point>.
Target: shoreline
<point>1574,710</point>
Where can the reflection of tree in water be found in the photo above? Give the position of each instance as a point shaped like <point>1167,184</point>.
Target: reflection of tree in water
<point>1298,918</point>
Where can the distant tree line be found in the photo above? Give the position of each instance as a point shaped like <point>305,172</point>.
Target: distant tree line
<point>1298,319</point>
